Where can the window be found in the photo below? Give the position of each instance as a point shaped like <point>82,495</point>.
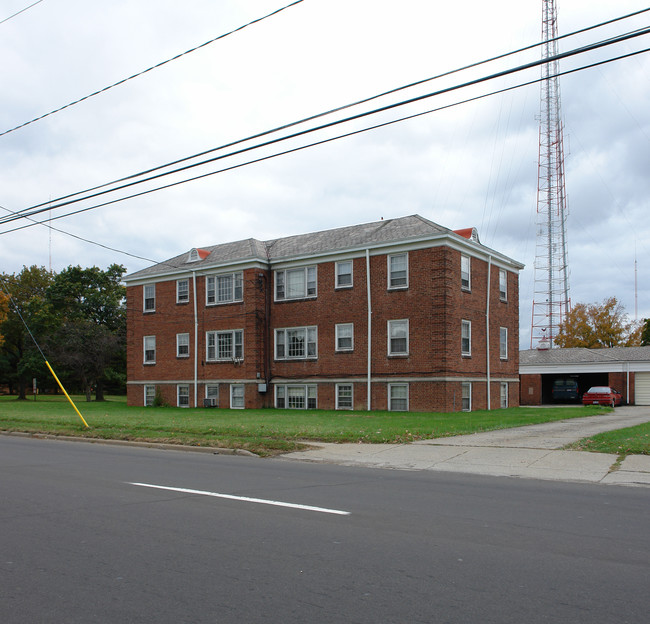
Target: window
<point>503,343</point>
<point>398,397</point>
<point>344,337</point>
<point>504,395</point>
<point>149,395</point>
<point>296,343</point>
<point>211,395</point>
<point>503,285</point>
<point>344,396</point>
<point>237,396</point>
<point>295,396</point>
<point>149,349</point>
<point>295,283</point>
<point>182,291</point>
<point>465,273</point>
<point>466,393</point>
<point>398,337</point>
<point>225,345</point>
<point>398,271</point>
<point>224,288</point>
<point>149,298</point>
<point>182,345</point>
<point>466,338</point>
<point>344,274</point>
<point>183,395</point>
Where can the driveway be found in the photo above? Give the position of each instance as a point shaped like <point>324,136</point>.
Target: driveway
<point>533,451</point>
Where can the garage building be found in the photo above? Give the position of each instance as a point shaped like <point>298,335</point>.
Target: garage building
<point>627,369</point>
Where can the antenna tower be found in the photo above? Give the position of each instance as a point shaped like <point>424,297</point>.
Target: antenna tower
<point>551,301</point>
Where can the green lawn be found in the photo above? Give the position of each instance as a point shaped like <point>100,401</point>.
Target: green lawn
<point>265,432</point>
<point>630,441</point>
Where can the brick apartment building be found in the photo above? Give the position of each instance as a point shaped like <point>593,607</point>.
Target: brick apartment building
<point>394,315</point>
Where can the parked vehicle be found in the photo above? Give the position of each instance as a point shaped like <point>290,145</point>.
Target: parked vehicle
<point>602,395</point>
<point>565,390</point>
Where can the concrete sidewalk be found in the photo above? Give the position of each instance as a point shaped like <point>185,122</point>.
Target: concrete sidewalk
<point>531,452</point>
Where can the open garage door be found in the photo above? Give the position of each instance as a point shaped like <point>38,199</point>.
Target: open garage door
<point>642,389</point>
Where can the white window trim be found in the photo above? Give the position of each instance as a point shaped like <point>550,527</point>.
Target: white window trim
<point>303,295</point>
<point>144,298</point>
<point>216,333</point>
<point>146,387</point>
<point>503,396</point>
<point>305,387</point>
<point>390,275</point>
<point>234,387</point>
<point>178,297</point>
<point>468,385</point>
<point>336,274</point>
<point>336,337</point>
<point>398,353</point>
<point>237,278</point>
<point>503,281</point>
<point>178,345</point>
<point>467,287</point>
<point>468,324</point>
<point>286,355</point>
<point>178,394</point>
<point>144,350</point>
<point>503,344</point>
<point>390,396</point>
<point>339,385</point>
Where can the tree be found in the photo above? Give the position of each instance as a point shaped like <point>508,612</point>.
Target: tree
<point>596,326</point>
<point>645,333</point>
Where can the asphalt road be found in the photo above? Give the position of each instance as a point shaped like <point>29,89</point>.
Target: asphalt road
<point>81,542</point>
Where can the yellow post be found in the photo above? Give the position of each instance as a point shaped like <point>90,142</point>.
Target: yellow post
<point>66,394</point>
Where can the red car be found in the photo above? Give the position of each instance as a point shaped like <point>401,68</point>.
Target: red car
<point>602,395</point>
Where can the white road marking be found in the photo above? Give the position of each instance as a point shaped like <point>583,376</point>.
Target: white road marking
<point>245,499</point>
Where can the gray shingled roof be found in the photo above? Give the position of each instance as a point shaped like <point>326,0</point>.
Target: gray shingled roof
<point>535,357</point>
<point>413,227</point>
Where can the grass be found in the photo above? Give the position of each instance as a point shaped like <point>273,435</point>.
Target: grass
<point>622,442</point>
<point>264,432</point>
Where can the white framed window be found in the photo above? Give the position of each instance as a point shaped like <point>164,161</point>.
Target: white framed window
<point>182,290</point>
<point>295,283</point>
<point>398,337</point>
<point>237,396</point>
<point>149,344</point>
<point>398,397</point>
<point>226,288</point>
<point>344,396</point>
<point>149,395</point>
<point>182,345</point>
<point>296,343</point>
<point>149,298</point>
<point>504,394</point>
<point>503,285</point>
<point>465,273</point>
<point>344,336</point>
<point>466,337</point>
<point>344,274</point>
<point>398,274</point>
<point>503,343</point>
<point>295,396</point>
<point>183,395</point>
<point>211,395</point>
<point>222,346</point>
<point>466,396</point>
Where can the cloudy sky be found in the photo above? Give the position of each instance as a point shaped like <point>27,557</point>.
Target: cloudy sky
<point>473,164</point>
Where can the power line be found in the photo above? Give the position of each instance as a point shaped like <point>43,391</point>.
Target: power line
<point>6,19</point>
<point>42,208</point>
<point>337,109</point>
<point>156,66</point>
<point>328,140</point>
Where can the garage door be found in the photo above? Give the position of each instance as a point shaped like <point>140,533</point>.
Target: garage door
<point>642,388</point>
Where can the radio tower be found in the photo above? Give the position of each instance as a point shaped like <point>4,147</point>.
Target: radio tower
<point>551,301</point>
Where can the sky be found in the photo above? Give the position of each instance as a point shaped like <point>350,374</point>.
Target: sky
<point>467,165</point>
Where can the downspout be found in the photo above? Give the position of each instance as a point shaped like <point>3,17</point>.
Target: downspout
<point>487,330</point>
<point>196,343</point>
<point>369,379</point>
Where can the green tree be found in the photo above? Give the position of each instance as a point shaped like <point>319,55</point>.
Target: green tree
<point>645,333</point>
<point>596,326</point>
<point>88,306</point>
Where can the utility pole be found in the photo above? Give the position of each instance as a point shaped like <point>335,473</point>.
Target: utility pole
<point>551,301</point>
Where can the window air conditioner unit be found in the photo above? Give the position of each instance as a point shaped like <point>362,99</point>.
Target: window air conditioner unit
<point>211,402</point>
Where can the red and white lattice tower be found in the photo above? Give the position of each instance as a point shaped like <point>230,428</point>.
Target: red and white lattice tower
<point>551,301</point>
